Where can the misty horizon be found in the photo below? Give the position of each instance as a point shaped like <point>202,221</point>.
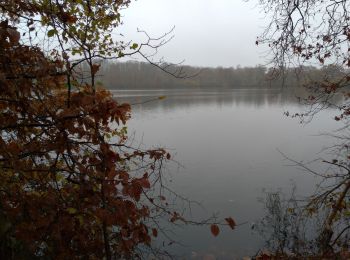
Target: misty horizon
<point>206,33</point>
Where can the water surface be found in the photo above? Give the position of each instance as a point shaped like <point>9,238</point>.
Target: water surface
<point>228,144</point>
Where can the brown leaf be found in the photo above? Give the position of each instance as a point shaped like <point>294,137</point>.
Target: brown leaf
<point>154,232</point>
<point>144,182</point>
<point>231,222</point>
<point>95,68</point>
<point>14,35</point>
<point>214,230</point>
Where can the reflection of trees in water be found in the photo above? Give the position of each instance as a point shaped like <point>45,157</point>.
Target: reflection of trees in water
<point>186,98</point>
<point>285,228</point>
<point>294,227</point>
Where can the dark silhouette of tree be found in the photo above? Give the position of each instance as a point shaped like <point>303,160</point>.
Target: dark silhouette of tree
<point>317,33</point>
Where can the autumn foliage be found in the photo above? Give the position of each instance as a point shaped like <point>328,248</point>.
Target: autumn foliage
<point>70,185</point>
<point>66,182</point>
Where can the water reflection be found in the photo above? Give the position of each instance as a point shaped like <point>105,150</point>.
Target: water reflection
<point>188,98</point>
<point>227,143</point>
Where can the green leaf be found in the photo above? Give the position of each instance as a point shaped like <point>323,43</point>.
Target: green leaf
<point>124,130</point>
<point>59,177</point>
<point>347,213</point>
<point>134,46</point>
<point>81,220</point>
<point>72,210</point>
<point>51,32</point>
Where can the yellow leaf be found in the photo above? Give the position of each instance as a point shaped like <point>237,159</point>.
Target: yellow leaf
<point>72,210</point>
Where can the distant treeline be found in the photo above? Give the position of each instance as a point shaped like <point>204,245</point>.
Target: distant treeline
<point>141,75</point>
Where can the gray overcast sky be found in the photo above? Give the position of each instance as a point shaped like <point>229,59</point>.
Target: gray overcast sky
<point>207,32</point>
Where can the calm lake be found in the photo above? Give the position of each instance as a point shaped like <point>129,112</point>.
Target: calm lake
<point>227,147</point>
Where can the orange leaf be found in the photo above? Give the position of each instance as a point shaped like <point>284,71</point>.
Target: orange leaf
<point>214,230</point>
<point>231,222</point>
<point>145,183</point>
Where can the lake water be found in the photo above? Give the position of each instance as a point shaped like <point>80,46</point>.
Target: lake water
<point>227,144</point>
